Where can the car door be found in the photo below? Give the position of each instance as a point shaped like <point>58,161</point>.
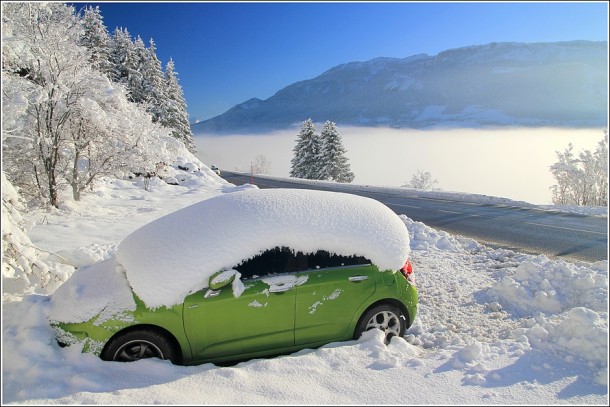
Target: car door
<point>220,323</point>
<point>326,302</point>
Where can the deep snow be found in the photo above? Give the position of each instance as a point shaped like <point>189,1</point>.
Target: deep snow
<point>494,326</point>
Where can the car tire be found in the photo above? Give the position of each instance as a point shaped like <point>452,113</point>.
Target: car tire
<point>136,345</point>
<point>386,317</point>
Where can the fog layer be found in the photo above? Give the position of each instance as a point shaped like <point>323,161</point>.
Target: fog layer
<point>508,163</point>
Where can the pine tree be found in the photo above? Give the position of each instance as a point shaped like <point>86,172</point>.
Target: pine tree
<point>334,164</point>
<point>136,68</point>
<point>153,84</point>
<point>97,40</point>
<point>306,153</point>
<point>176,115</point>
<point>125,63</point>
<point>117,57</point>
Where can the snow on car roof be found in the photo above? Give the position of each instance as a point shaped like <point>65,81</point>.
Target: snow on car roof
<point>175,255</point>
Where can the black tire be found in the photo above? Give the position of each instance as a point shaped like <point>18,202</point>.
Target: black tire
<point>136,345</point>
<point>386,317</point>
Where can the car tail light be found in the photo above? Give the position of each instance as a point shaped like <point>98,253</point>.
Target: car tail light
<point>407,271</point>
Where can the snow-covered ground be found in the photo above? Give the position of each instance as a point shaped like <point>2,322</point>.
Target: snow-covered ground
<point>494,326</point>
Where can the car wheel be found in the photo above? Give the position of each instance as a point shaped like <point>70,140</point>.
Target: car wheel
<point>388,318</point>
<point>136,345</point>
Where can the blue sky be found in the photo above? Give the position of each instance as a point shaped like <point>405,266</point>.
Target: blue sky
<point>226,53</point>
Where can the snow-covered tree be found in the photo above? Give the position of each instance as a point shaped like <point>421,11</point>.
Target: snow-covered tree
<point>138,68</point>
<point>261,165</point>
<point>582,180</point>
<point>136,80</point>
<point>175,115</point>
<point>600,158</point>
<point>123,58</point>
<point>97,40</point>
<point>306,158</point>
<point>567,174</point>
<point>334,164</point>
<point>66,122</point>
<point>421,180</point>
<point>21,262</point>
<point>107,137</point>
<point>153,84</point>
<point>41,48</point>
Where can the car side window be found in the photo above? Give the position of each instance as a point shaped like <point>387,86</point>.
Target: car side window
<point>270,262</point>
<point>281,260</point>
<point>323,259</point>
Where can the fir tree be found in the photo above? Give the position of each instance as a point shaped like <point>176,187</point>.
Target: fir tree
<point>305,162</point>
<point>153,84</point>
<point>125,62</point>
<point>176,115</point>
<point>117,55</point>
<point>97,40</point>
<point>135,73</point>
<point>333,164</point>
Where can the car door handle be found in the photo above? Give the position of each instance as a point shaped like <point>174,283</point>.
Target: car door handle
<point>211,293</point>
<point>358,278</point>
<point>280,288</point>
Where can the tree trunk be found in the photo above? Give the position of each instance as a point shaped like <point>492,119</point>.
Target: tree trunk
<point>74,180</point>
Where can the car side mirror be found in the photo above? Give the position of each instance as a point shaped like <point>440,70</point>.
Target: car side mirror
<point>221,279</point>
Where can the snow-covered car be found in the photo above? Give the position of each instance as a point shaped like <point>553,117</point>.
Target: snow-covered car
<point>242,275</point>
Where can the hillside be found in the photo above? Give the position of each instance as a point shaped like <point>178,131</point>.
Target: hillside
<point>561,84</point>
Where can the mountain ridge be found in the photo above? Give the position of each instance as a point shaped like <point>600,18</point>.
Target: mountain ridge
<point>561,84</point>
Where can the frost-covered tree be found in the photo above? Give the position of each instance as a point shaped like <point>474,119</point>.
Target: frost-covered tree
<point>305,161</point>
<point>119,41</point>
<point>123,59</point>
<point>582,180</point>
<point>25,267</point>
<point>334,164</point>
<point>20,261</point>
<point>153,83</point>
<point>175,115</point>
<point>66,122</point>
<point>53,72</point>
<point>565,170</point>
<point>421,180</point>
<point>97,39</point>
<point>138,68</point>
<point>136,81</point>
<point>102,138</point>
<point>600,157</point>
<point>261,165</point>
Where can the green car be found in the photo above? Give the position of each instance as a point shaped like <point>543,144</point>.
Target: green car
<point>301,275</point>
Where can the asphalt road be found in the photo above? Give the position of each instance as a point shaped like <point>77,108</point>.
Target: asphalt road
<point>524,229</point>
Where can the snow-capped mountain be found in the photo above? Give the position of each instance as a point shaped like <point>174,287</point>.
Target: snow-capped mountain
<point>499,84</point>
